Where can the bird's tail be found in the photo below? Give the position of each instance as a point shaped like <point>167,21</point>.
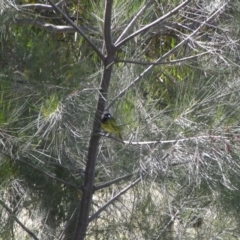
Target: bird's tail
<point>119,135</point>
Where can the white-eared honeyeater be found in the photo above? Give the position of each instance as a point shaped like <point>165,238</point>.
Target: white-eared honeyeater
<point>109,125</point>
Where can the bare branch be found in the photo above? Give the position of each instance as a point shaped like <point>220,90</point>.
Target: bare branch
<point>40,6</point>
<point>114,198</point>
<point>107,27</point>
<point>68,222</point>
<point>107,184</point>
<point>170,13</point>
<point>147,70</point>
<point>78,30</point>
<point>49,27</point>
<point>171,221</point>
<point>18,221</point>
<point>36,6</point>
<point>111,136</point>
<point>130,25</point>
<point>209,137</point>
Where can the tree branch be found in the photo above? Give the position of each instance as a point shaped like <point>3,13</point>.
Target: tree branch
<point>68,223</point>
<point>130,25</point>
<point>107,27</point>
<point>114,198</point>
<point>159,60</point>
<point>88,188</point>
<point>107,184</point>
<point>18,221</point>
<point>210,137</point>
<point>40,6</point>
<point>78,30</point>
<point>170,13</point>
<point>50,27</point>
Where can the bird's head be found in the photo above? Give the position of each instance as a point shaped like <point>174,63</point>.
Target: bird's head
<point>106,116</point>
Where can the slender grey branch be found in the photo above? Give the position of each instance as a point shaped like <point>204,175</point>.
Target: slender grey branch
<point>78,30</point>
<point>130,25</point>
<point>159,60</point>
<point>210,137</point>
<point>169,222</point>
<point>111,136</point>
<point>107,27</point>
<point>170,13</point>
<point>114,199</point>
<point>37,6</point>
<point>50,27</point>
<point>18,221</point>
<point>68,222</point>
<point>107,184</point>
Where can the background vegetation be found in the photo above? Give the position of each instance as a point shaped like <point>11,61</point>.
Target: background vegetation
<point>167,71</point>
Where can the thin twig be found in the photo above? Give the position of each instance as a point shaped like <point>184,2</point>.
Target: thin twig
<point>68,222</point>
<point>130,25</point>
<point>107,184</point>
<point>114,199</point>
<point>18,221</point>
<point>147,70</point>
<point>171,221</point>
<point>170,13</point>
<point>211,137</point>
<point>40,6</point>
<point>101,56</point>
<point>49,27</point>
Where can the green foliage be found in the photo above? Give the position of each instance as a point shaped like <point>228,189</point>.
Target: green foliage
<point>50,105</point>
<point>8,170</point>
<point>181,120</point>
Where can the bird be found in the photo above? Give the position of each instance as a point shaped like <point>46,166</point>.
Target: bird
<point>109,125</point>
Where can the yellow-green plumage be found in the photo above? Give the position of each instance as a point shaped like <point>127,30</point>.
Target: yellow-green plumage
<point>109,125</point>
